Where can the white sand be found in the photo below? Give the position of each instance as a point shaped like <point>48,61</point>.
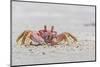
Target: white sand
<point>70,19</point>
<point>61,53</point>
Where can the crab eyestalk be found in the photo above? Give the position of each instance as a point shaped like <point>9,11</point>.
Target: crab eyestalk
<point>52,28</point>
<point>45,28</point>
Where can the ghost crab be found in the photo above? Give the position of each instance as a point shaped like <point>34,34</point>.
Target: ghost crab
<point>45,37</point>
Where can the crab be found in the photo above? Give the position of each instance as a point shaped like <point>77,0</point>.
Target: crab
<point>45,37</point>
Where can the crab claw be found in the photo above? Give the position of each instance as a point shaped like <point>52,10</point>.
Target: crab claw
<point>37,38</point>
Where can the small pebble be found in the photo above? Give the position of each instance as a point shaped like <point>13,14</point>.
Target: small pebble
<point>30,49</point>
<point>77,46</point>
<point>43,53</point>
